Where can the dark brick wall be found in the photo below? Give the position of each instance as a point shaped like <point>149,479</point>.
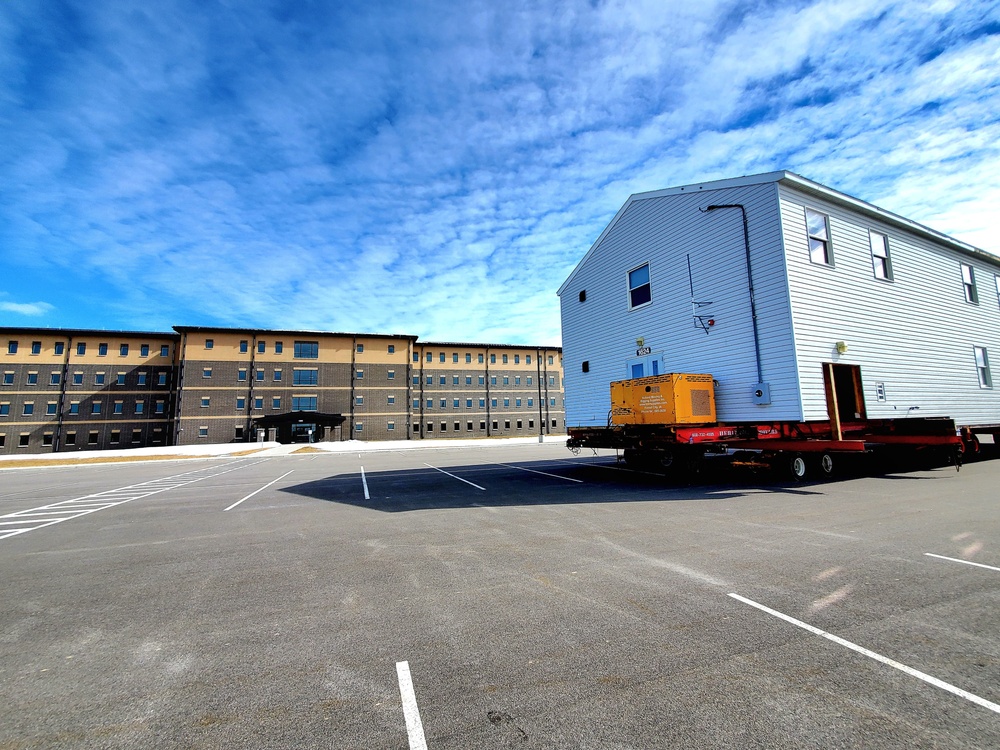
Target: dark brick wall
<point>69,407</point>
<point>337,389</point>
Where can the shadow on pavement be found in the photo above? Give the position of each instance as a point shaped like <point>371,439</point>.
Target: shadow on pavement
<point>592,479</point>
<point>545,482</point>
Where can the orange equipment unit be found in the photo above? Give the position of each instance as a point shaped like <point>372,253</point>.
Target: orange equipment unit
<point>677,398</point>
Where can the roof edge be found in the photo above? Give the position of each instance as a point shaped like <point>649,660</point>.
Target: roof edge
<point>754,179</point>
<point>481,345</point>
<point>806,185</point>
<point>799,182</point>
<point>723,184</point>
<point>49,330</point>
<point>296,332</point>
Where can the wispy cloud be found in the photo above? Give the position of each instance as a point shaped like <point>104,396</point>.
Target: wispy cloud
<point>438,169</point>
<point>30,309</point>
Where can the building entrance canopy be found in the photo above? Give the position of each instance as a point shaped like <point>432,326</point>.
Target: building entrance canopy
<point>296,426</point>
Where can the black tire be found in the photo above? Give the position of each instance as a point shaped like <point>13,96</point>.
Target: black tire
<point>826,465</point>
<point>667,462</point>
<point>970,449</point>
<point>797,467</point>
<point>634,459</point>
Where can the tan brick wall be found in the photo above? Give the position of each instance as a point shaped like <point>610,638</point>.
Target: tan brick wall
<point>348,368</point>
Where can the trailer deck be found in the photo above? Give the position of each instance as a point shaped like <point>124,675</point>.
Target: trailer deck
<point>653,424</point>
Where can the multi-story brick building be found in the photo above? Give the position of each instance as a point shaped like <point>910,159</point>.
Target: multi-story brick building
<point>65,390</point>
<point>485,390</point>
<point>232,378</point>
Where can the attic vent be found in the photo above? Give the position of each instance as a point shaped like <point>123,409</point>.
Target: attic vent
<point>583,295</point>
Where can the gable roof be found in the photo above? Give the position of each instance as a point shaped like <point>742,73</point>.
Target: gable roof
<point>802,184</point>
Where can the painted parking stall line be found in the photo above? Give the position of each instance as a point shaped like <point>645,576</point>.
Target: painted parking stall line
<point>964,562</point>
<point>23,521</point>
<point>259,490</point>
<point>610,467</point>
<point>364,483</point>
<point>411,713</point>
<point>453,476</point>
<point>971,697</point>
<point>543,473</point>
<point>7,528</point>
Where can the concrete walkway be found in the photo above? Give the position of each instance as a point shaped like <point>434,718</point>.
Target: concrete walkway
<point>261,450</point>
<point>360,446</point>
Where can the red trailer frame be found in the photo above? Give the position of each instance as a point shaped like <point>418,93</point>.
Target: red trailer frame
<point>780,443</point>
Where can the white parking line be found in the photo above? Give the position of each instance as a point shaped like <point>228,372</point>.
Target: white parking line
<point>414,727</point>
<point>260,490</point>
<point>31,520</point>
<point>364,483</point>
<point>596,465</point>
<point>877,657</point>
<point>543,473</point>
<point>965,562</point>
<point>65,510</point>
<point>455,477</point>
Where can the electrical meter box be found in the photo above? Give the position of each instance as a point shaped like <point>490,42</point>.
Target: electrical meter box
<point>677,398</point>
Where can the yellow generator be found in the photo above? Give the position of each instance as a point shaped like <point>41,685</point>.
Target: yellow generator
<point>677,398</point>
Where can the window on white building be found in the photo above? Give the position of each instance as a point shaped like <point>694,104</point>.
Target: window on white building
<point>880,255</point>
<point>639,293</point>
<point>983,368</point>
<point>818,228</point>
<point>969,283</point>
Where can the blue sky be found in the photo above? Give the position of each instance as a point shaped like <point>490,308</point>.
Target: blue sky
<point>438,168</point>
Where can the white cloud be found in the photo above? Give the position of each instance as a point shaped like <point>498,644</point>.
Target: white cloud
<point>440,173</point>
<point>30,309</point>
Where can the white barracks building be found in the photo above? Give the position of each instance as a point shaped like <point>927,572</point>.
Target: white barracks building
<point>786,291</point>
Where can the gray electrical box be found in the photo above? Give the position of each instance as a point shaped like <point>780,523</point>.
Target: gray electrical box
<point>762,393</point>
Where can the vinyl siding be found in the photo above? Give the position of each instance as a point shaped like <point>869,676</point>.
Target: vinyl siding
<point>664,230</point>
<point>915,333</point>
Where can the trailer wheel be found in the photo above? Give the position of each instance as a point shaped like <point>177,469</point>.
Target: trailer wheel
<point>797,467</point>
<point>826,465</point>
<point>633,458</point>
<point>970,447</point>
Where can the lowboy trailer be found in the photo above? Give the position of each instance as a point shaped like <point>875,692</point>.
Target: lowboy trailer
<point>667,422</point>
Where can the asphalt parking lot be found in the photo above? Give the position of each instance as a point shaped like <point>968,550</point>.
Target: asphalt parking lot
<point>494,597</point>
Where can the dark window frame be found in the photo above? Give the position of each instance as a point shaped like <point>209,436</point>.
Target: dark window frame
<point>640,286</point>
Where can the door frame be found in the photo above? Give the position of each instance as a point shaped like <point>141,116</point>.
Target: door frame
<point>648,362</point>
<point>833,371</point>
